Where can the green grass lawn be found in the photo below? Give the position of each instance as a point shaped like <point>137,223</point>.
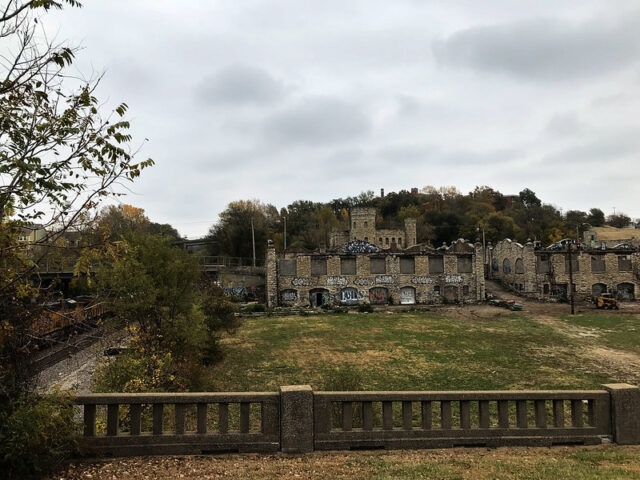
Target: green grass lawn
<point>404,351</point>
<point>614,331</point>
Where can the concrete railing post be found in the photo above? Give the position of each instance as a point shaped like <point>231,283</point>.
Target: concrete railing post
<point>296,419</point>
<point>625,413</point>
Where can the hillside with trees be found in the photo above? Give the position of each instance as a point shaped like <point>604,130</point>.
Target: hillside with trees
<point>444,214</point>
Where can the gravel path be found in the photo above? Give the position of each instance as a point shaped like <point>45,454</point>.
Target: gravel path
<point>76,371</point>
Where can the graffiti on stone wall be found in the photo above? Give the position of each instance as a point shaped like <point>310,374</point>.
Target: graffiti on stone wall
<point>363,281</point>
<point>350,296</point>
<point>301,282</point>
<point>453,279</point>
<point>235,291</point>
<point>289,296</point>
<point>384,279</point>
<point>378,295</point>
<point>360,246</point>
<point>327,298</point>
<point>407,295</point>
<point>422,280</point>
<point>337,281</point>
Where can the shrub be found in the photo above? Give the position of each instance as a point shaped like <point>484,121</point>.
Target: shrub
<point>36,434</point>
<point>256,307</point>
<point>365,308</point>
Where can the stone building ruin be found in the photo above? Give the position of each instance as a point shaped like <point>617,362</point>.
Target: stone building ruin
<point>356,270</point>
<point>544,273</point>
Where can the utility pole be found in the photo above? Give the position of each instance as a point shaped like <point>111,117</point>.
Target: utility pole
<point>253,241</point>
<point>571,279</point>
<point>285,232</point>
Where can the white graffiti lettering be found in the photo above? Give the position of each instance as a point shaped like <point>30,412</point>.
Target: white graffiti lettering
<point>384,279</point>
<point>422,280</point>
<point>363,281</point>
<point>453,279</point>
<point>337,281</point>
<point>301,282</point>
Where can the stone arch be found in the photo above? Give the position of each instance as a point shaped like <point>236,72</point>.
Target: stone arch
<point>319,297</point>
<point>626,291</point>
<point>519,265</point>
<point>407,295</point>
<point>451,293</point>
<point>506,266</point>
<point>495,266</point>
<point>348,296</point>
<point>597,289</point>
<point>379,295</point>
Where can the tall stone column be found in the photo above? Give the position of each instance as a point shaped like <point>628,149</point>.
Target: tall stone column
<point>271,271</point>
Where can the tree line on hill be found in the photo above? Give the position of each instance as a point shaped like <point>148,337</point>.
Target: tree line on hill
<point>444,214</point>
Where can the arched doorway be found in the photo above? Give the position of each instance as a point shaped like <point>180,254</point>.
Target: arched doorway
<point>348,296</point>
<point>407,296</point>
<point>598,289</point>
<point>319,297</point>
<point>378,295</point>
<point>450,294</point>
<point>626,291</point>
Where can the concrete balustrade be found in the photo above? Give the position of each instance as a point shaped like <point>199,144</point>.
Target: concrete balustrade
<point>296,419</point>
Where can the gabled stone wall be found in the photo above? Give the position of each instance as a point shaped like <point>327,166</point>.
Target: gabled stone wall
<point>546,274</point>
<point>395,286</point>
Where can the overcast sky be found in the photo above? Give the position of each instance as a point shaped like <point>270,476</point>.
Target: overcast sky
<point>287,100</point>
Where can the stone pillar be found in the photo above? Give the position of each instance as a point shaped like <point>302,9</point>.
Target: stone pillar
<point>271,269</point>
<point>410,232</point>
<point>296,419</point>
<point>625,413</point>
<point>478,269</point>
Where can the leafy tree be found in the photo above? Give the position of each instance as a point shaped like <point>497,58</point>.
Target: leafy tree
<point>60,156</point>
<point>232,235</point>
<point>155,290</point>
<point>114,222</point>
<point>595,217</point>
<point>619,220</point>
<point>575,219</point>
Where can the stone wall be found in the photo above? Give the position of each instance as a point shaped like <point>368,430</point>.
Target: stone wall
<point>396,285</point>
<point>271,276</point>
<point>546,274</point>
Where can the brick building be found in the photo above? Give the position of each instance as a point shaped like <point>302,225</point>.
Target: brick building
<point>360,272</point>
<point>544,273</point>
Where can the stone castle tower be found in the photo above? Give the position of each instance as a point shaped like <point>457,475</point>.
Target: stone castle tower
<point>362,226</point>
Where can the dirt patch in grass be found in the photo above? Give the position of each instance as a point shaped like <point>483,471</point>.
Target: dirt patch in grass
<point>617,363</point>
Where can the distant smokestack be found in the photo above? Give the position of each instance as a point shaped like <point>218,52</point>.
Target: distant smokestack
<point>382,192</point>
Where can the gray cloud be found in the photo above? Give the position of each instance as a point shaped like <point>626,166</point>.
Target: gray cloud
<point>240,84</point>
<point>317,121</point>
<point>565,125</point>
<point>546,49</point>
<point>604,150</point>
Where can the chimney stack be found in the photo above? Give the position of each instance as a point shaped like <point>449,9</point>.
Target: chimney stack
<point>382,193</point>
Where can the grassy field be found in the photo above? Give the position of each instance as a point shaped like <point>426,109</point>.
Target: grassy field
<point>450,350</point>
<point>614,331</point>
<point>607,462</point>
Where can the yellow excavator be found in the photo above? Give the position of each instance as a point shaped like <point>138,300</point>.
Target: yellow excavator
<point>606,301</point>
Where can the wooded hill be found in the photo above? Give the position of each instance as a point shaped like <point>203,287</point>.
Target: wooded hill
<point>444,214</point>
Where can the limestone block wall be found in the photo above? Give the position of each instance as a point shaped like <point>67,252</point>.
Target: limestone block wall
<point>539,282</point>
<point>584,279</point>
<point>271,276</point>
<point>419,287</point>
<point>522,279</point>
<point>410,232</point>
